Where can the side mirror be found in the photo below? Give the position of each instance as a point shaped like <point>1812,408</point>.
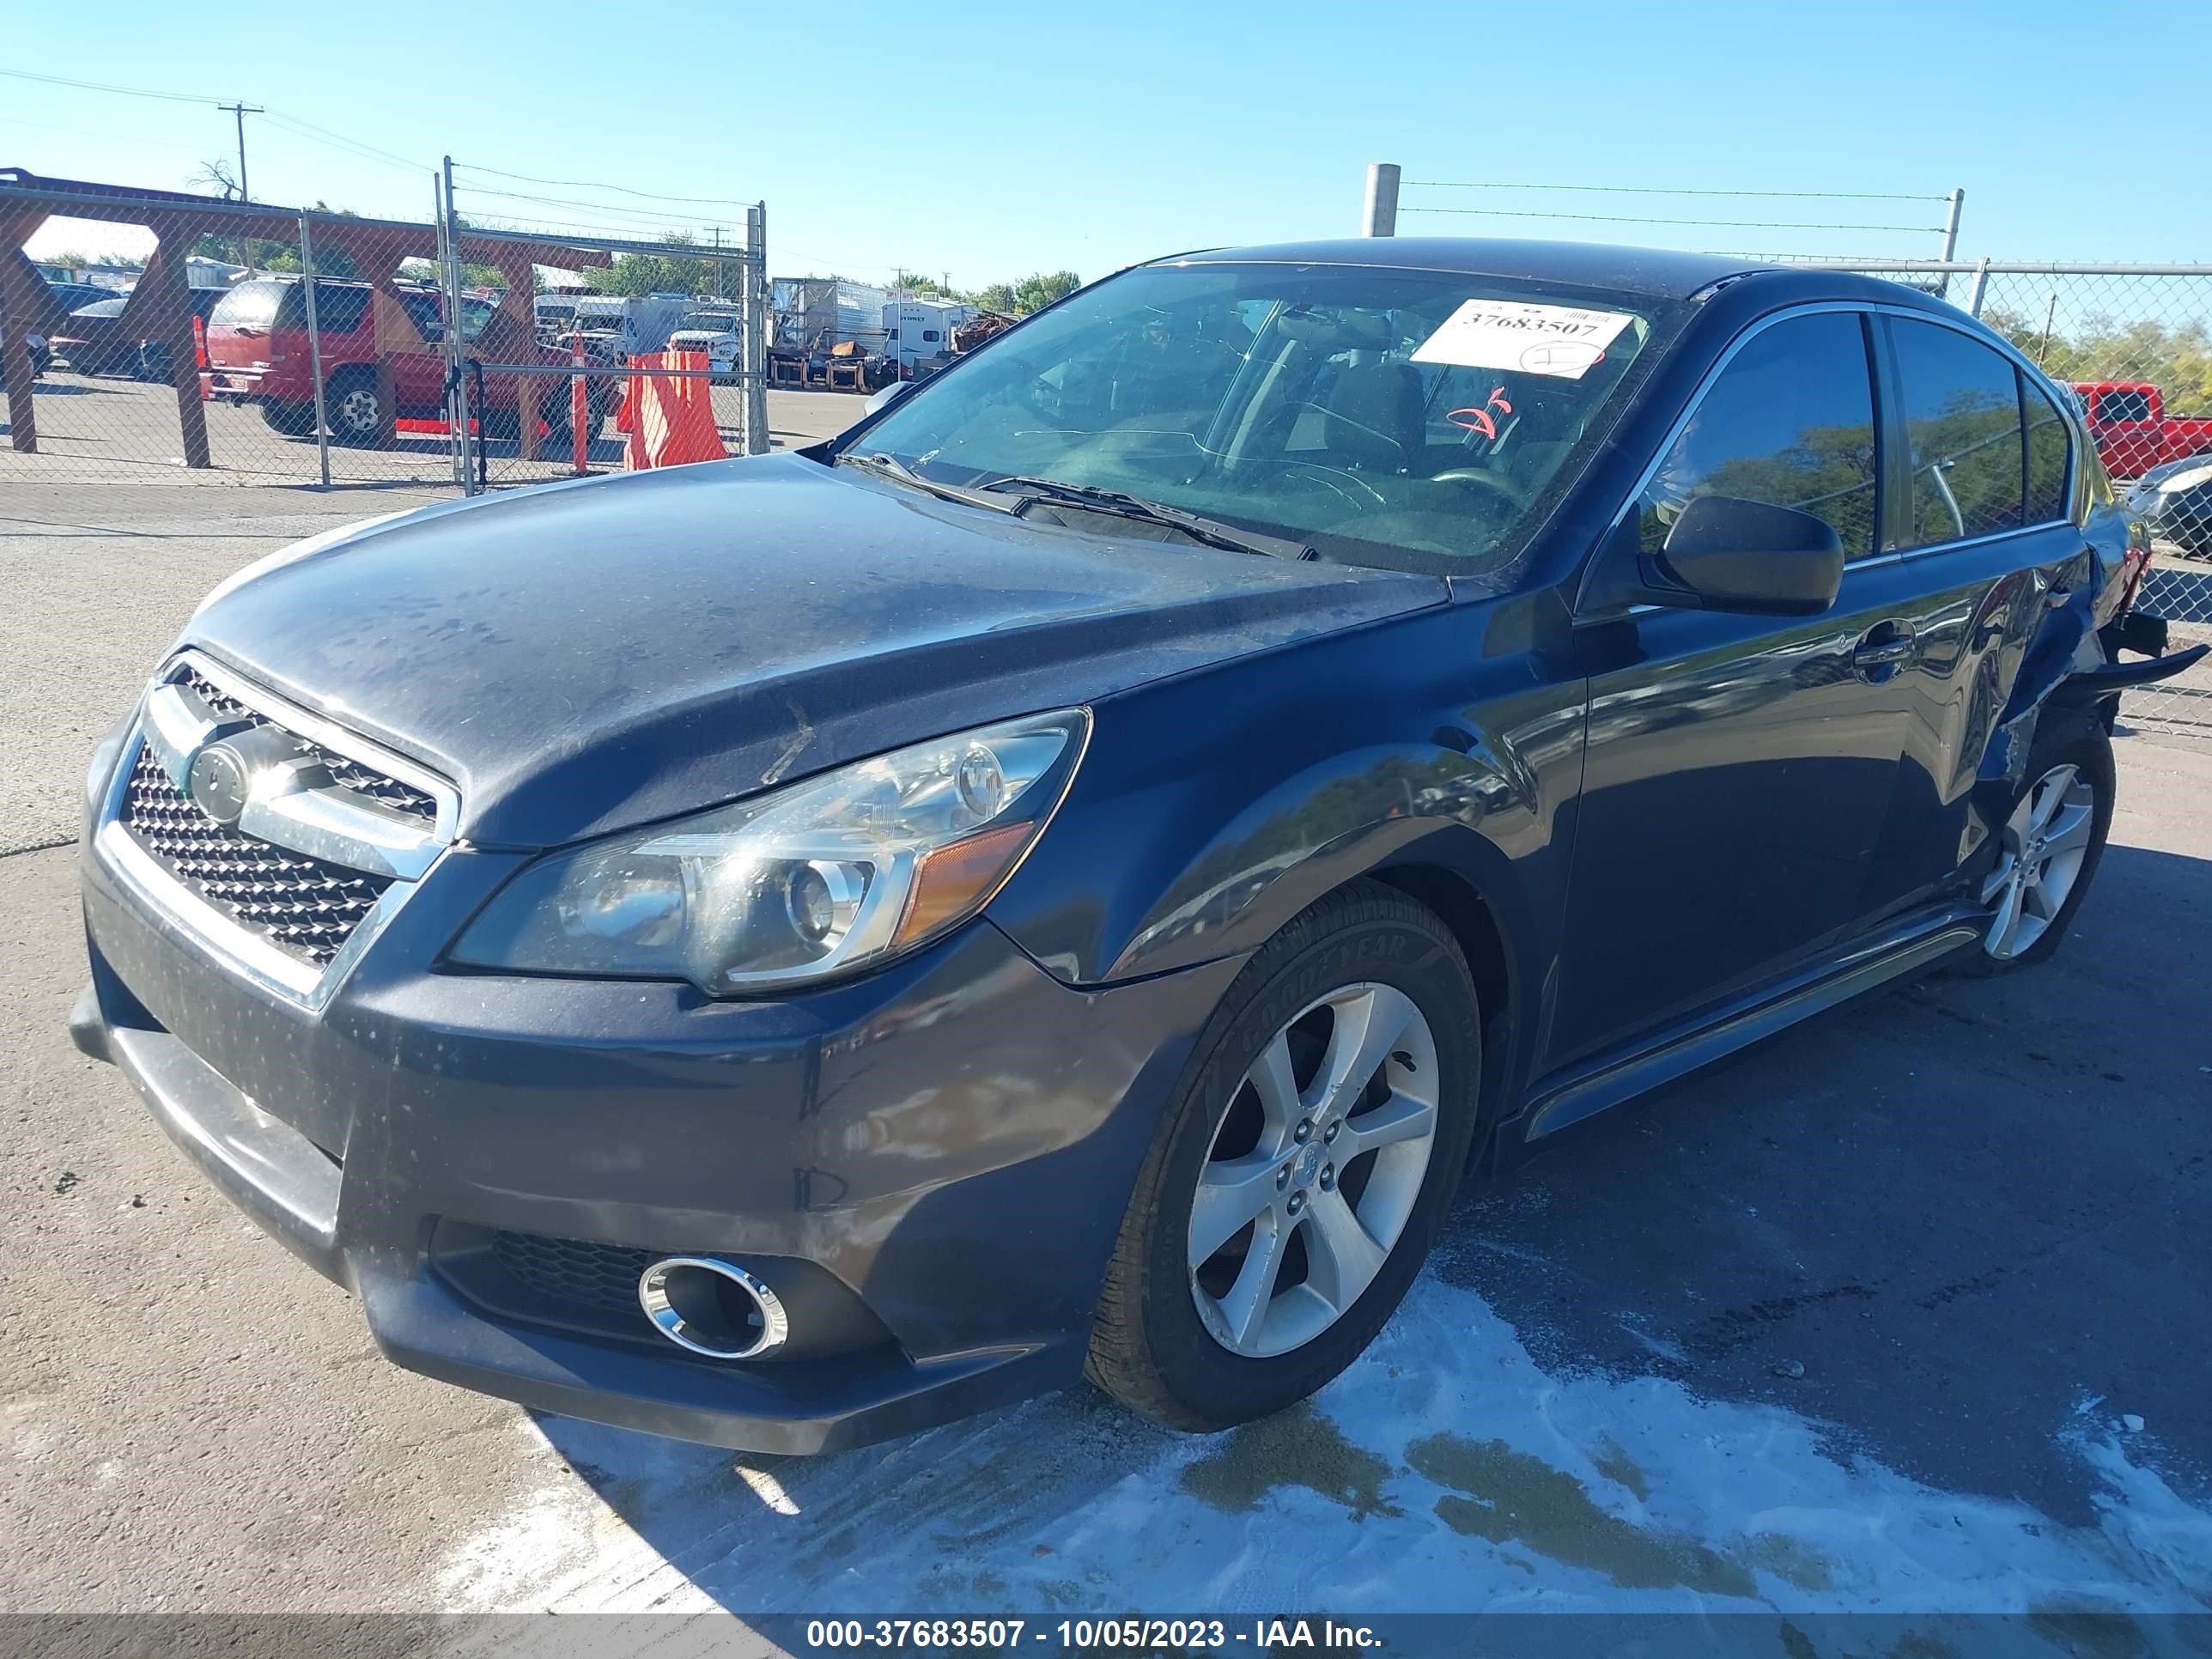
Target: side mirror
<point>1734,555</point>
<point>885,398</point>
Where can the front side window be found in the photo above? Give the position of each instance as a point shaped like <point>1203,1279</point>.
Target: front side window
<point>1406,419</point>
<point>1789,422</point>
<point>1962,419</point>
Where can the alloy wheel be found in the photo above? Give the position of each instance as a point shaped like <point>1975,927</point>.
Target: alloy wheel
<point>2043,845</point>
<point>356,414</point>
<point>1314,1170</point>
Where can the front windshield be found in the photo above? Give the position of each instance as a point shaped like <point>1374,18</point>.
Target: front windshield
<point>1410,419</point>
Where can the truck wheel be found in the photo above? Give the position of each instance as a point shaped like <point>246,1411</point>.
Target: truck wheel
<point>358,416</point>
<point>2048,849</point>
<point>1306,1166</point>
<point>292,420</point>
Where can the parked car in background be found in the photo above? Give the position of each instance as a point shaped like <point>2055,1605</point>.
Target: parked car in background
<point>1064,878</point>
<point>41,353</point>
<point>102,348</point>
<point>257,353</point>
<point>90,344</point>
<point>73,296</point>
<point>2175,502</point>
<point>2129,422</point>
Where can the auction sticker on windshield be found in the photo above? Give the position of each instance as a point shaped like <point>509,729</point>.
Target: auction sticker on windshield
<point>1564,341</point>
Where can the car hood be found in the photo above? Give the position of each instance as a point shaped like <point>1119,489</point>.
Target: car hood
<point>580,657</point>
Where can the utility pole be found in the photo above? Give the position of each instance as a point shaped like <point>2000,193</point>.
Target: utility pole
<point>241,111</point>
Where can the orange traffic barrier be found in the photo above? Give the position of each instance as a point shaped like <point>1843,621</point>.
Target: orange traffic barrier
<point>670,421</point>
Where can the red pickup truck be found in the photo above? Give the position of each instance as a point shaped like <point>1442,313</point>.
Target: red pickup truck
<point>2132,431</point>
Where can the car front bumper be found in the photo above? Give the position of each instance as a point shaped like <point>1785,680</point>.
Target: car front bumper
<point>928,1165</point>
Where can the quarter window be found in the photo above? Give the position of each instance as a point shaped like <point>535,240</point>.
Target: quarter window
<point>2048,450</point>
<point>1788,422</point>
<point>1962,420</point>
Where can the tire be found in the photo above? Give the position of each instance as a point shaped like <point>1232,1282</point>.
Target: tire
<point>292,420</point>
<point>2072,743</point>
<point>1156,1346</point>
<point>359,415</point>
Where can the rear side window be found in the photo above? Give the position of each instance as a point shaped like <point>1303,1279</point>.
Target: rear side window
<point>339,307</point>
<point>249,305</point>
<point>1790,423</point>
<point>2122,405</point>
<point>1962,422</point>
<point>2049,447</point>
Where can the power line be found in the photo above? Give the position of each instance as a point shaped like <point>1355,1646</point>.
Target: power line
<point>605,208</point>
<point>589,184</point>
<point>1633,219</point>
<point>1676,190</point>
<point>101,86</point>
<point>309,129</point>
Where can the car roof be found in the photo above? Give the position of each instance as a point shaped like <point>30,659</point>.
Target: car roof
<point>1664,273</point>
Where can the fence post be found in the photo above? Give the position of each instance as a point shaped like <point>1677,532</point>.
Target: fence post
<point>19,286</point>
<point>1981,287</point>
<point>1380,216</point>
<point>314,349</point>
<point>1951,226</point>
<point>457,402</point>
<point>755,338</point>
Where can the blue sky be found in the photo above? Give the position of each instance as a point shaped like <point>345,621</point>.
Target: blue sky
<point>988,143</point>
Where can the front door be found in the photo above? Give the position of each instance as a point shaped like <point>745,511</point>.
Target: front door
<point>1740,768</point>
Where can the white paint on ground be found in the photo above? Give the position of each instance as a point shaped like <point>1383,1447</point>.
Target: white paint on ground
<point>1443,1472</point>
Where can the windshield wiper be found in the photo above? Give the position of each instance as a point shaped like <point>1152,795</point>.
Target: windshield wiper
<point>886,464</point>
<point>1196,525</point>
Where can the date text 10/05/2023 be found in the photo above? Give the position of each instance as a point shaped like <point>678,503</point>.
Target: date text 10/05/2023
<point>1128,1635</point>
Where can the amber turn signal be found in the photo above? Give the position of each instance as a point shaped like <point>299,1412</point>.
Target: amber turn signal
<point>953,879</point>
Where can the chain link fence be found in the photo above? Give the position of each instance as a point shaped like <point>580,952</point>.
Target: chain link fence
<point>2134,342</point>
<point>261,345</point>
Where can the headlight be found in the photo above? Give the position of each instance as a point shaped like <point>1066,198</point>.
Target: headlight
<point>837,874</point>
<point>2187,478</point>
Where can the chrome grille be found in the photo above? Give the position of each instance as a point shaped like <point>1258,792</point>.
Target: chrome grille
<point>345,772</point>
<point>307,907</point>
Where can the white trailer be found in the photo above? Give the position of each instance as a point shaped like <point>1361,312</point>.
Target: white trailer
<point>918,333</point>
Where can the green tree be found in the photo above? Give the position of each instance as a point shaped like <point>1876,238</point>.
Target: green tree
<point>2176,358</point>
<point>925,288</point>
<point>634,274</point>
<point>1032,293</point>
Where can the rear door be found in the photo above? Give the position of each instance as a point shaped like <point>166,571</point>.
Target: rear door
<point>1982,517</point>
<point>1740,768</point>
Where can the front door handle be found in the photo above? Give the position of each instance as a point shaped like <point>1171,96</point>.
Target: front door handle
<point>1874,654</point>
<point>1880,651</point>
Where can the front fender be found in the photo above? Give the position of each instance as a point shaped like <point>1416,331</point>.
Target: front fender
<point>1212,809</point>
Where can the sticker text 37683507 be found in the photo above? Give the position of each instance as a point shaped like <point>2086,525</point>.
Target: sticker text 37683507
<point>1563,341</point>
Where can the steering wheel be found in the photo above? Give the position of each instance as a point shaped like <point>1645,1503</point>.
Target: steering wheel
<point>1504,488</point>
